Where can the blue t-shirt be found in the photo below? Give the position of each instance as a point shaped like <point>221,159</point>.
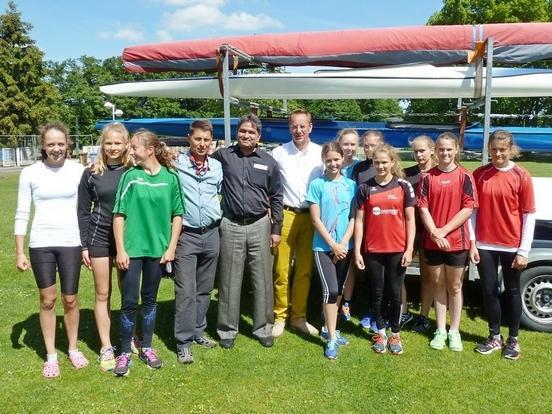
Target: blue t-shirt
<point>334,197</point>
<point>348,170</point>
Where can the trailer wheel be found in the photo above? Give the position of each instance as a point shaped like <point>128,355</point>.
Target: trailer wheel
<point>536,296</point>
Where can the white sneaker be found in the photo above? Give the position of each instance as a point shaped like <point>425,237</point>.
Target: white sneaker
<point>305,327</point>
<point>278,328</point>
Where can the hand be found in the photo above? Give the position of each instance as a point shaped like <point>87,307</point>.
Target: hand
<point>21,262</point>
<point>168,256</point>
<point>474,254</point>
<point>406,258</point>
<point>86,259</point>
<point>339,251</point>
<point>359,261</point>
<point>437,233</point>
<point>122,260</point>
<point>442,244</point>
<point>275,240</point>
<point>519,262</point>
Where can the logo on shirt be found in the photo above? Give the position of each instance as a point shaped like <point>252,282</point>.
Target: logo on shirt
<point>376,211</point>
<point>445,182</point>
<point>392,197</point>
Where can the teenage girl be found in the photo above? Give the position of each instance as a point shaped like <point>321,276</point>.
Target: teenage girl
<point>146,224</point>
<point>348,139</point>
<point>384,240</point>
<point>423,148</point>
<point>97,190</point>
<point>54,245</point>
<point>446,198</point>
<point>330,198</point>
<point>503,225</point>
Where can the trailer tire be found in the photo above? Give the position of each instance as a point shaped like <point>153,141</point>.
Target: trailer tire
<point>536,298</point>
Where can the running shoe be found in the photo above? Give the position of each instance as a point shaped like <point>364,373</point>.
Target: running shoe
<point>439,340</point>
<point>205,342</point>
<point>345,311</point>
<point>379,343</point>
<point>341,341</point>
<point>107,360</point>
<point>406,318</point>
<point>511,350</point>
<point>455,341</point>
<point>332,349</point>
<point>122,366</point>
<point>490,345</point>
<point>184,354</point>
<point>395,345</point>
<point>421,325</point>
<point>151,359</point>
<point>135,345</point>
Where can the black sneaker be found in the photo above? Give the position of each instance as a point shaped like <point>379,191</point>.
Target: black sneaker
<point>406,318</point>
<point>511,349</point>
<point>490,345</point>
<point>149,356</point>
<point>205,342</point>
<point>184,355</point>
<point>421,325</point>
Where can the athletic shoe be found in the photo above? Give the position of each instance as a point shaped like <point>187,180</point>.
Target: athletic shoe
<point>379,343</point>
<point>406,318</point>
<point>341,341</point>
<point>439,340</point>
<point>122,366</point>
<point>278,328</point>
<point>345,311</point>
<point>151,359</point>
<point>421,325</point>
<point>490,345</point>
<point>135,345</point>
<point>395,345</point>
<point>205,342</point>
<point>107,360</point>
<point>184,355</point>
<point>455,341</point>
<point>332,349</point>
<point>511,350</point>
<point>305,327</point>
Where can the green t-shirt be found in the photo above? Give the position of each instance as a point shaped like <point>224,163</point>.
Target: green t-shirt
<point>148,202</point>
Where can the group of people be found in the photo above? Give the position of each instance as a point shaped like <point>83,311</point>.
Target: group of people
<point>239,209</point>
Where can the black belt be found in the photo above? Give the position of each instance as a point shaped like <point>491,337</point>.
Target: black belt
<point>244,221</point>
<point>201,230</point>
<point>297,210</point>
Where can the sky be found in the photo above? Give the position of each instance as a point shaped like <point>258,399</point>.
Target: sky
<point>66,29</point>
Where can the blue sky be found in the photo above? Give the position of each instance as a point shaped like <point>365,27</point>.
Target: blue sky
<point>66,29</point>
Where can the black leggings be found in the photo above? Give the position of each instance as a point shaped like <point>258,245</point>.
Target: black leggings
<point>66,260</point>
<point>332,275</point>
<point>488,272</point>
<point>386,275</point>
<point>150,270</point>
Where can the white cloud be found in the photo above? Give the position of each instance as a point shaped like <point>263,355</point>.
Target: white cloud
<point>128,32</point>
<point>202,15</point>
<point>164,35</point>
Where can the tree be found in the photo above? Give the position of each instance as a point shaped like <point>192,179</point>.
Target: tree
<point>26,99</point>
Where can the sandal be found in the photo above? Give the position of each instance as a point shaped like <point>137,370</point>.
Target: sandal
<point>78,360</point>
<point>50,369</point>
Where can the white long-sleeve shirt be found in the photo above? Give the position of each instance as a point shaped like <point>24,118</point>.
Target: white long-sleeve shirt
<point>53,191</point>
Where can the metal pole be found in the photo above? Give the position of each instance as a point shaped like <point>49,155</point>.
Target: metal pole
<point>226,96</point>
<point>488,91</point>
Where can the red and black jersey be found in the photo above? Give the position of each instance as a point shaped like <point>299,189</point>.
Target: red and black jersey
<point>384,218</point>
<point>444,194</point>
<point>504,197</point>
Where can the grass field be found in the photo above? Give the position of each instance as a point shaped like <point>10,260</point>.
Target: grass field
<point>292,376</point>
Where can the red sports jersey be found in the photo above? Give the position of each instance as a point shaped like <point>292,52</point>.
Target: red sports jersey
<point>504,197</point>
<point>384,219</point>
<point>444,194</point>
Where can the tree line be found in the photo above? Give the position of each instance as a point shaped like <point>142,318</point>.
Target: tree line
<point>34,91</point>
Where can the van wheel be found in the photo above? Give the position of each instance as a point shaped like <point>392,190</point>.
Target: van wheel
<point>536,297</point>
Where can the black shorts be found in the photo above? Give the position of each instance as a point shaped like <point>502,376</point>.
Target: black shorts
<point>45,261</point>
<point>101,251</point>
<point>458,258</point>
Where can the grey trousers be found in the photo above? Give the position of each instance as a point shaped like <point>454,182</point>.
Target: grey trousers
<point>245,246</point>
<point>195,268</point>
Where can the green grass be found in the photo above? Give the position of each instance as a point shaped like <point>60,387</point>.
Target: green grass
<point>292,376</point>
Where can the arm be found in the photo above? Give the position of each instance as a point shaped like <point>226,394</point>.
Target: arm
<point>472,224</point>
<point>84,206</point>
<point>22,214</point>
<point>348,233</point>
<point>338,249</point>
<point>21,261</point>
<point>429,225</point>
<point>527,231</point>
<point>358,236</point>
<point>122,260</point>
<point>168,256</point>
<point>276,199</point>
<point>410,235</point>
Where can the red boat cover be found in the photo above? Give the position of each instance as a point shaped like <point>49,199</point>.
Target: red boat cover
<point>514,43</point>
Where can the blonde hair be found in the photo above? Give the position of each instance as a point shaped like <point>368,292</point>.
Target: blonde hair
<point>160,149</point>
<point>100,164</point>
<point>426,139</point>
<point>503,135</point>
<point>391,152</point>
<point>449,136</point>
<point>347,131</point>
